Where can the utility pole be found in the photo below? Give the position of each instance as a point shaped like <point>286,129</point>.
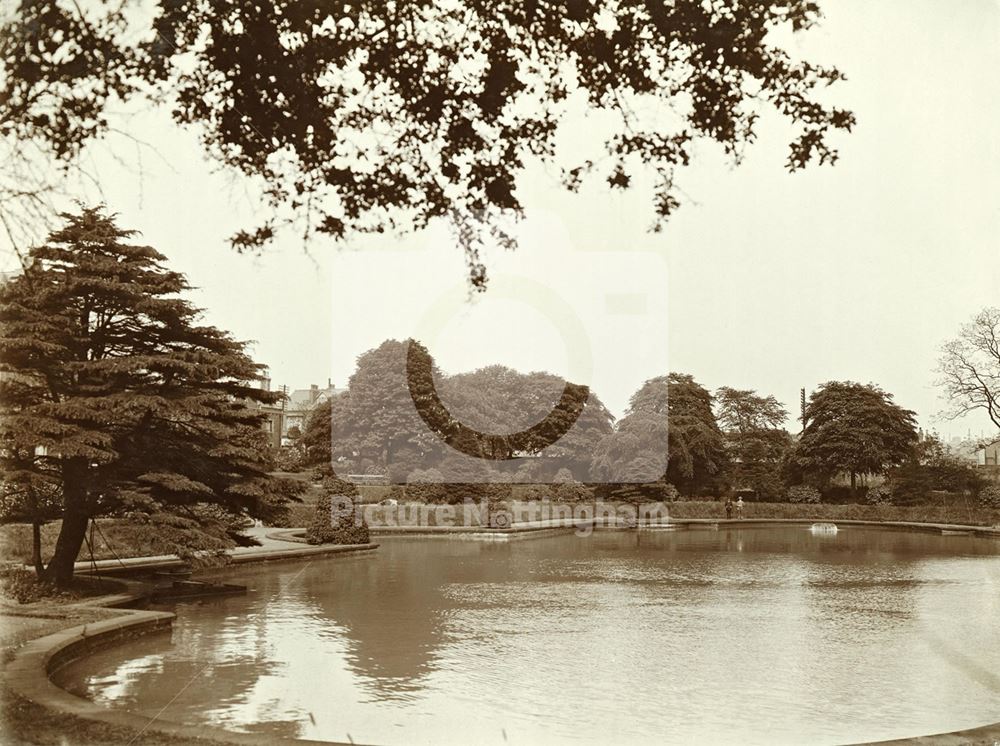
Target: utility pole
<point>284,398</point>
<point>802,408</point>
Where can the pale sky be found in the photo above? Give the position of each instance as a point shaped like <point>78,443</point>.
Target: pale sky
<point>761,280</point>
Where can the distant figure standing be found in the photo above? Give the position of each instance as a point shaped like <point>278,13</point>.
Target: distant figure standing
<point>729,508</point>
<point>739,507</point>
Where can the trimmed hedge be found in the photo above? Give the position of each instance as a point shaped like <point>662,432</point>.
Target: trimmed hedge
<point>803,493</point>
<point>325,528</point>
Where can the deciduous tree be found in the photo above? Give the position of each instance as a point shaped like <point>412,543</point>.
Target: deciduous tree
<point>379,116</point>
<point>755,439</point>
<point>498,399</point>
<point>669,429</point>
<point>853,428</point>
<point>969,367</point>
<point>933,467</point>
<point>376,419</point>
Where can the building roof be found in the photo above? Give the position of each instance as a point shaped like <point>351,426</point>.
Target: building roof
<point>305,399</point>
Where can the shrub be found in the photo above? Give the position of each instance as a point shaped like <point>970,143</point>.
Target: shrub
<point>324,529</point>
<point>24,586</point>
<point>915,483</point>
<point>841,494</point>
<point>563,476</point>
<point>573,492</point>
<point>565,488</point>
<point>289,458</point>
<point>989,497</point>
<point>637,493</point>
<point>491,492</point>
<point>880,494</point>
<point>425,485</point>
<point>532,491</point>
<point>803,493</point>
<point>671,493</point>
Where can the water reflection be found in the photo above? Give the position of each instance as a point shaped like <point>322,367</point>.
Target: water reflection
<point>750,635</point>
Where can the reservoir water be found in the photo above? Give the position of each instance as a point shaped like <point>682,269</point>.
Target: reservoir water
<point>762,635</point>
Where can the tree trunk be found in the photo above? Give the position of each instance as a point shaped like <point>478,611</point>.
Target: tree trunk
<point>854,484</point>
<point>75,517</point>
<point>36,548</point>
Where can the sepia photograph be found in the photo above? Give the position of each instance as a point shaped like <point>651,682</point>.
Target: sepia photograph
<point>431,372</point>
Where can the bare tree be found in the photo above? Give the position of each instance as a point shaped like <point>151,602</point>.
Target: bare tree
<point>970,367</point>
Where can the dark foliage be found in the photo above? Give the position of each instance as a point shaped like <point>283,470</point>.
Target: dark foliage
<point>756,441</point>
<point>932,469</point>
<point>854,429</point>
<point>116,401</point>
<point>327,528</point>
<point>697,451</point>
<point>376,421</point>
<point>381,116</point>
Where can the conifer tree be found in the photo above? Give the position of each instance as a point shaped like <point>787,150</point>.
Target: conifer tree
<point>116,398</point>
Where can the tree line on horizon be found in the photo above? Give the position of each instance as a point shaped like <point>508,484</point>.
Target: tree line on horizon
<point>117,401</point>
<point>697,442</point>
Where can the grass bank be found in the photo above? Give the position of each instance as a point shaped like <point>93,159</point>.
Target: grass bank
<point>522,511</point>
<point>968,514</point>
<point>116,538</point>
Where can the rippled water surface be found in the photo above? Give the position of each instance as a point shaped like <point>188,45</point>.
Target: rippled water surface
<point>753,635</point>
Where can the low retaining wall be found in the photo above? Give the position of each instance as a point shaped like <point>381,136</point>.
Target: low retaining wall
<point>167,562</point>
<point>935,528</point>
<point>560,525</point>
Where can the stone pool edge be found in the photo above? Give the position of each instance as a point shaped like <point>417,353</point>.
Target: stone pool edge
<point>552,526</point>
<point>251,555</point>
<point>28,673</point>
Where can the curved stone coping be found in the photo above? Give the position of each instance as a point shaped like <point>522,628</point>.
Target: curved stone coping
<point>27,676</point>
<point>987,531</point>
<point>504,536</point>
<point>296,534</point>
<point>265,554</point>
<point>519,530</point>
<point>271,555</point>
<point>133,592</point>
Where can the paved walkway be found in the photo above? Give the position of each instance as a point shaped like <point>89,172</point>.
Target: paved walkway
<point>269,549</point>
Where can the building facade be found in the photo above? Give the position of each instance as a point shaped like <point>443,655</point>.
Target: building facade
<point>293,410</point>
<point>989,455</point>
